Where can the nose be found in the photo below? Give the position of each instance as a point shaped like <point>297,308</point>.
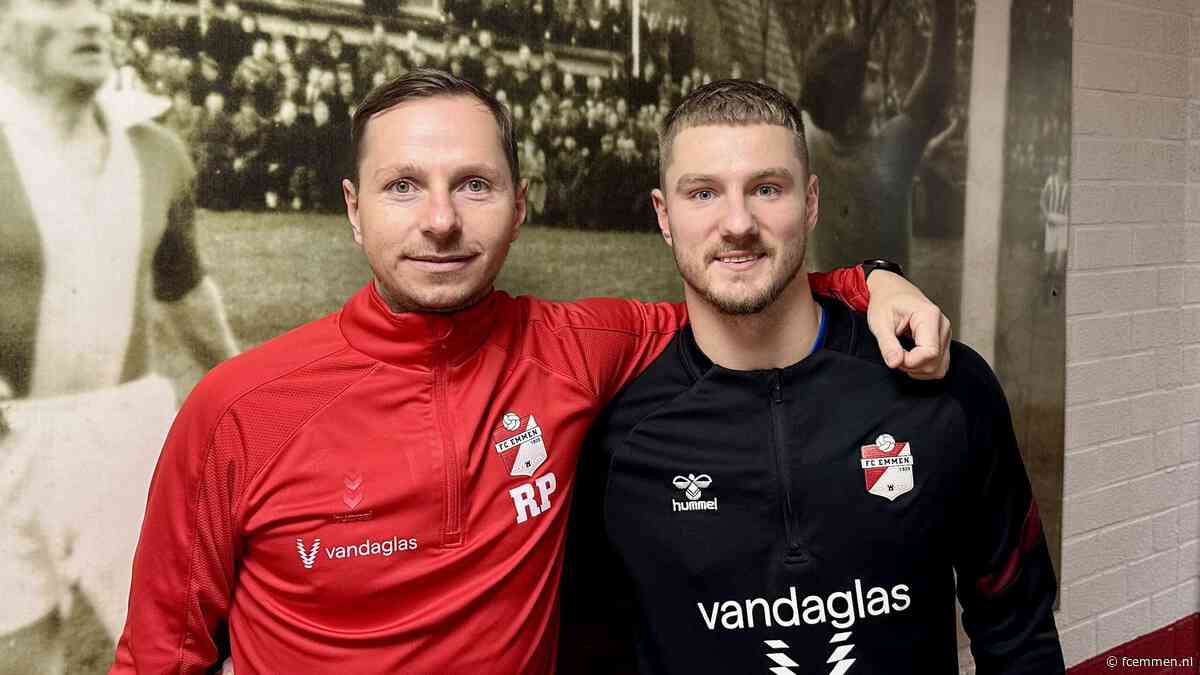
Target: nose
<point>90,17</point>
<point>737,221</point>
<point>441,221</point>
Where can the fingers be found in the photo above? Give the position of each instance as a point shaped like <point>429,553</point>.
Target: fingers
<point>885,331</point>
<point>930,358</point>
<point>923,363</point>
<point>889,347</point>
<point>898,308</point>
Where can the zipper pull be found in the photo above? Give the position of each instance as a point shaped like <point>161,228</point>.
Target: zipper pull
<point>777,387</point>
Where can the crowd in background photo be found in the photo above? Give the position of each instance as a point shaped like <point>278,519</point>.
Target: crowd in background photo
<point>265,104</point>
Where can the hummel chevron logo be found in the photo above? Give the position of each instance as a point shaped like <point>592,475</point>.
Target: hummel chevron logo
<point>784,663</point>
<point>838,657</point>
<point>353,495</point>
<point>309,557</point>
<point>692,484</point>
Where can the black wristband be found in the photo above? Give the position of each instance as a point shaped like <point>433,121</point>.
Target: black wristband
<point>881,264</point>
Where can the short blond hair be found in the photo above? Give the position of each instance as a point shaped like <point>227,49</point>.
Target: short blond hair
<point>731,103</point>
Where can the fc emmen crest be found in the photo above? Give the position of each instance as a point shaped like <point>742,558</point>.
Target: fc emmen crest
<point>524,451</point>
<point>888,467</point>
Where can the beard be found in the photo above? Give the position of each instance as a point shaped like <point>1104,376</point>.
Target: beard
<point>727,299</point>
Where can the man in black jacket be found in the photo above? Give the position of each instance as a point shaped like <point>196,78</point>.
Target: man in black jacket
<point>780,500</point>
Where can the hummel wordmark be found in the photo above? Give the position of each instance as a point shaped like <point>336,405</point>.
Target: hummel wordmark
<point>691,485</point>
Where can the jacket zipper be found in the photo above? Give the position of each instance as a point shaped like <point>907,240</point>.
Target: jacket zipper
<point>795,552</point>
<point>452,531</point>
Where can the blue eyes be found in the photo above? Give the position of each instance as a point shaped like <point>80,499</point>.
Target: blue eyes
<point>472,185</point>
<point>760,191</point>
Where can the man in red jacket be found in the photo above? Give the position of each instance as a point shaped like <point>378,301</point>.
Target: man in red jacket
<point>383,490</point>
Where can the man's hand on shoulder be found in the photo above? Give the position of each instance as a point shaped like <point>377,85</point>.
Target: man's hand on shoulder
<point>897,308</point>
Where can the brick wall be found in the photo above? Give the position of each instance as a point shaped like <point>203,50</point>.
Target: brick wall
<point>1131,516</point>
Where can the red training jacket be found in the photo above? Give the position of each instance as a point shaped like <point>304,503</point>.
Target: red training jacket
<point>385,493</point>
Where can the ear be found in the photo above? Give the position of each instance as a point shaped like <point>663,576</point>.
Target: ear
<point>520,206</point>
<point>812,202</point>
<point>350,195</point>
<point>660,210</point>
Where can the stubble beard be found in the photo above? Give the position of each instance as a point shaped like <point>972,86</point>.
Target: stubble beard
<point>435,299</point>
<point>790,264</point>
<point>441,301</point>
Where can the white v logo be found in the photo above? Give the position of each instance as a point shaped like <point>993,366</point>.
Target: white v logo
<point>308,557</point>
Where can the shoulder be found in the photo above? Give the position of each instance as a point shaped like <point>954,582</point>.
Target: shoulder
<point>600,315</point>
<point>309,362</point>
<point>971,379</point>
<point>901,128</point>
<point>847,332</point>
<point>154,137</point>
<point>663,382</point>
<point>162,149</point>
<point>598,343</point>
<point>970,386</point>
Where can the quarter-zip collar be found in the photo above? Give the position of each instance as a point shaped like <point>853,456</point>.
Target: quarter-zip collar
<point>416,339</point>
<point>838,333</point>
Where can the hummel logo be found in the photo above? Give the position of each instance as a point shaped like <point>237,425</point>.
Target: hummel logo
<point>691,485</point>
<point>353,495</point>
<point>309,557</point>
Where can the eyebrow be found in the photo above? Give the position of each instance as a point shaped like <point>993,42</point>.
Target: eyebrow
<point>773,172</point>
<point>689,179</point>
<point>482,170</point>
<point>409,169</point>
<point>395,171</point>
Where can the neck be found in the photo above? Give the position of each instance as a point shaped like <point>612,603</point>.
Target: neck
<point>781,335</point>
<point>70,111</point>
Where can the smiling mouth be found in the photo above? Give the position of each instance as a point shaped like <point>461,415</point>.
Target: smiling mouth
<point>739,259</point>
<point>448,263</point>
<point>90,50</point>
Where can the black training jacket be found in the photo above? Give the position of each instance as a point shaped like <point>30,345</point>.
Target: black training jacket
<point>809,520</point>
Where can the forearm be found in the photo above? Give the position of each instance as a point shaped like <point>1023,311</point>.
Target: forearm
<point>200,320</point>
<point>1040,654</point>
<point>883,282</point>
<point>1012,631</point>
<point>933,85</point>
